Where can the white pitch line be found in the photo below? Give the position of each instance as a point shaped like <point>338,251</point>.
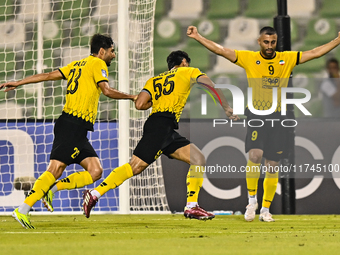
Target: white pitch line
<point>164,232</point>
<point>144,232</point>
<point>309,219</point>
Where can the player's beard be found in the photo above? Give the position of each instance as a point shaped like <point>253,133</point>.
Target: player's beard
<point>268,54</point>
<point>108,63</point>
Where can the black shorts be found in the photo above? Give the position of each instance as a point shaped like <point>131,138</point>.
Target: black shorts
<point>70,143</point>
<point>159,137</point>
<point>267,138</point>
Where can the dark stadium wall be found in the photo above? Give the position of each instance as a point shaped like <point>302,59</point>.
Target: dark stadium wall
<point>317,144</point>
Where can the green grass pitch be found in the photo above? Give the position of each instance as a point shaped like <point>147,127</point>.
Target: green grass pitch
<point>170,234</point>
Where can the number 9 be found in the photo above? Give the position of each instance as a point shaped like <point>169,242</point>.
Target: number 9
<point>271,69</point>
<point>254,135</point>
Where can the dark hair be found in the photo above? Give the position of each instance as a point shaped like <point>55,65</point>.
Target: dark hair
<point>176,57</point>
<point>332,60</point>
<point>268,31</point>
<point>100,41</point>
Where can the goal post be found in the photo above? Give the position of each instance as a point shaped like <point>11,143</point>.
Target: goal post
<point>124,111</point>
<point>44,35</point>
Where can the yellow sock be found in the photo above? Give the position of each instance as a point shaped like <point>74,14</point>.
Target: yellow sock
<point>269,188</point>
<point>41,186</point>
<point>252,177</point>
<point>194,182</point>
<point>74,181</point>
<point>115,178</point>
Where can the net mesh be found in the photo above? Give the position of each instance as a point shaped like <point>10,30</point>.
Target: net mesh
<point>66,28</point>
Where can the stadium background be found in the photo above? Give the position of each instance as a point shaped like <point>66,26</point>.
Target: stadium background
<point>235,23</point>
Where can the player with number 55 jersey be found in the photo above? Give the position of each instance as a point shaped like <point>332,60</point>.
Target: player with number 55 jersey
<point>86,80</point>
<point>170,90</point>
<point>167,94</point>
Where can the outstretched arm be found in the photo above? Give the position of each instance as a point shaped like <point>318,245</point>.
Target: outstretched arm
<point>225,105</point>
<point>210,45</point>
<point>113,93</point>
<point>52,76</point>
<point>319,51</point>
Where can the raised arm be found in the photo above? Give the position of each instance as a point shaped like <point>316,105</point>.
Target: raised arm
<point>319,51</point>
<point>113,93</point>
<point>51,76</point>
<point>210,45</point>
<point>225,105</point>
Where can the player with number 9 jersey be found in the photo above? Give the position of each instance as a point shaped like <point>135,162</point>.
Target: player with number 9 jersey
<point>266,69</point>
<point>264,74</point>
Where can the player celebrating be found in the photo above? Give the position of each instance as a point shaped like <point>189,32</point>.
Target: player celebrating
<point>87,78</point>
<point>167,94</point>
<point>266,141</point>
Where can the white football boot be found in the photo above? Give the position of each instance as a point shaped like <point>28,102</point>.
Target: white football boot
<point>266,217</point>
<point>249,215</point>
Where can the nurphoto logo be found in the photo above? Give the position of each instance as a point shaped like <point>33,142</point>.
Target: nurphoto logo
<point>238,104</point>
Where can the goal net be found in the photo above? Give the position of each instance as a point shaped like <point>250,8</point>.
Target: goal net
<point>41,36</point>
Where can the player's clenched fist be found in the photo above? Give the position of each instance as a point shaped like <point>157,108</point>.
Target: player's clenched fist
<point>192,31</point>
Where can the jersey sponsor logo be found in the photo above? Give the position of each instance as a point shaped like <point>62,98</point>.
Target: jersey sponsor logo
<point>270,63</point>
<point>270,82</point>
<point>281,62</point>
<point>258,62</point>
<point>104,73</point>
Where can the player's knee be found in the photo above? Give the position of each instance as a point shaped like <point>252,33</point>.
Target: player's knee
<point>198,160</point>
<point>137,170</point>
<point>255,156</point>
<point>137,165</point>
<point>56,168</point>
<point>96,173</point>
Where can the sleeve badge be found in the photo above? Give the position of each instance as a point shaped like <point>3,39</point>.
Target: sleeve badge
<point>104,73</point>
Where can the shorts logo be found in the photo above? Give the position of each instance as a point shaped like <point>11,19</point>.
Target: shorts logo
<point>279,152</point>
<point>158,154</point>
<point>76,153</point>
<point>104,73</point>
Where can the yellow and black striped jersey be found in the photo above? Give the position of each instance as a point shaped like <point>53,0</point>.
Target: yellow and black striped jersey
<point>264,74</point>
<point>83,92</point>
<point>170,90</point>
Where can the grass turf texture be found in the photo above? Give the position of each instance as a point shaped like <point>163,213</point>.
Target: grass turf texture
<point>170,234</point>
